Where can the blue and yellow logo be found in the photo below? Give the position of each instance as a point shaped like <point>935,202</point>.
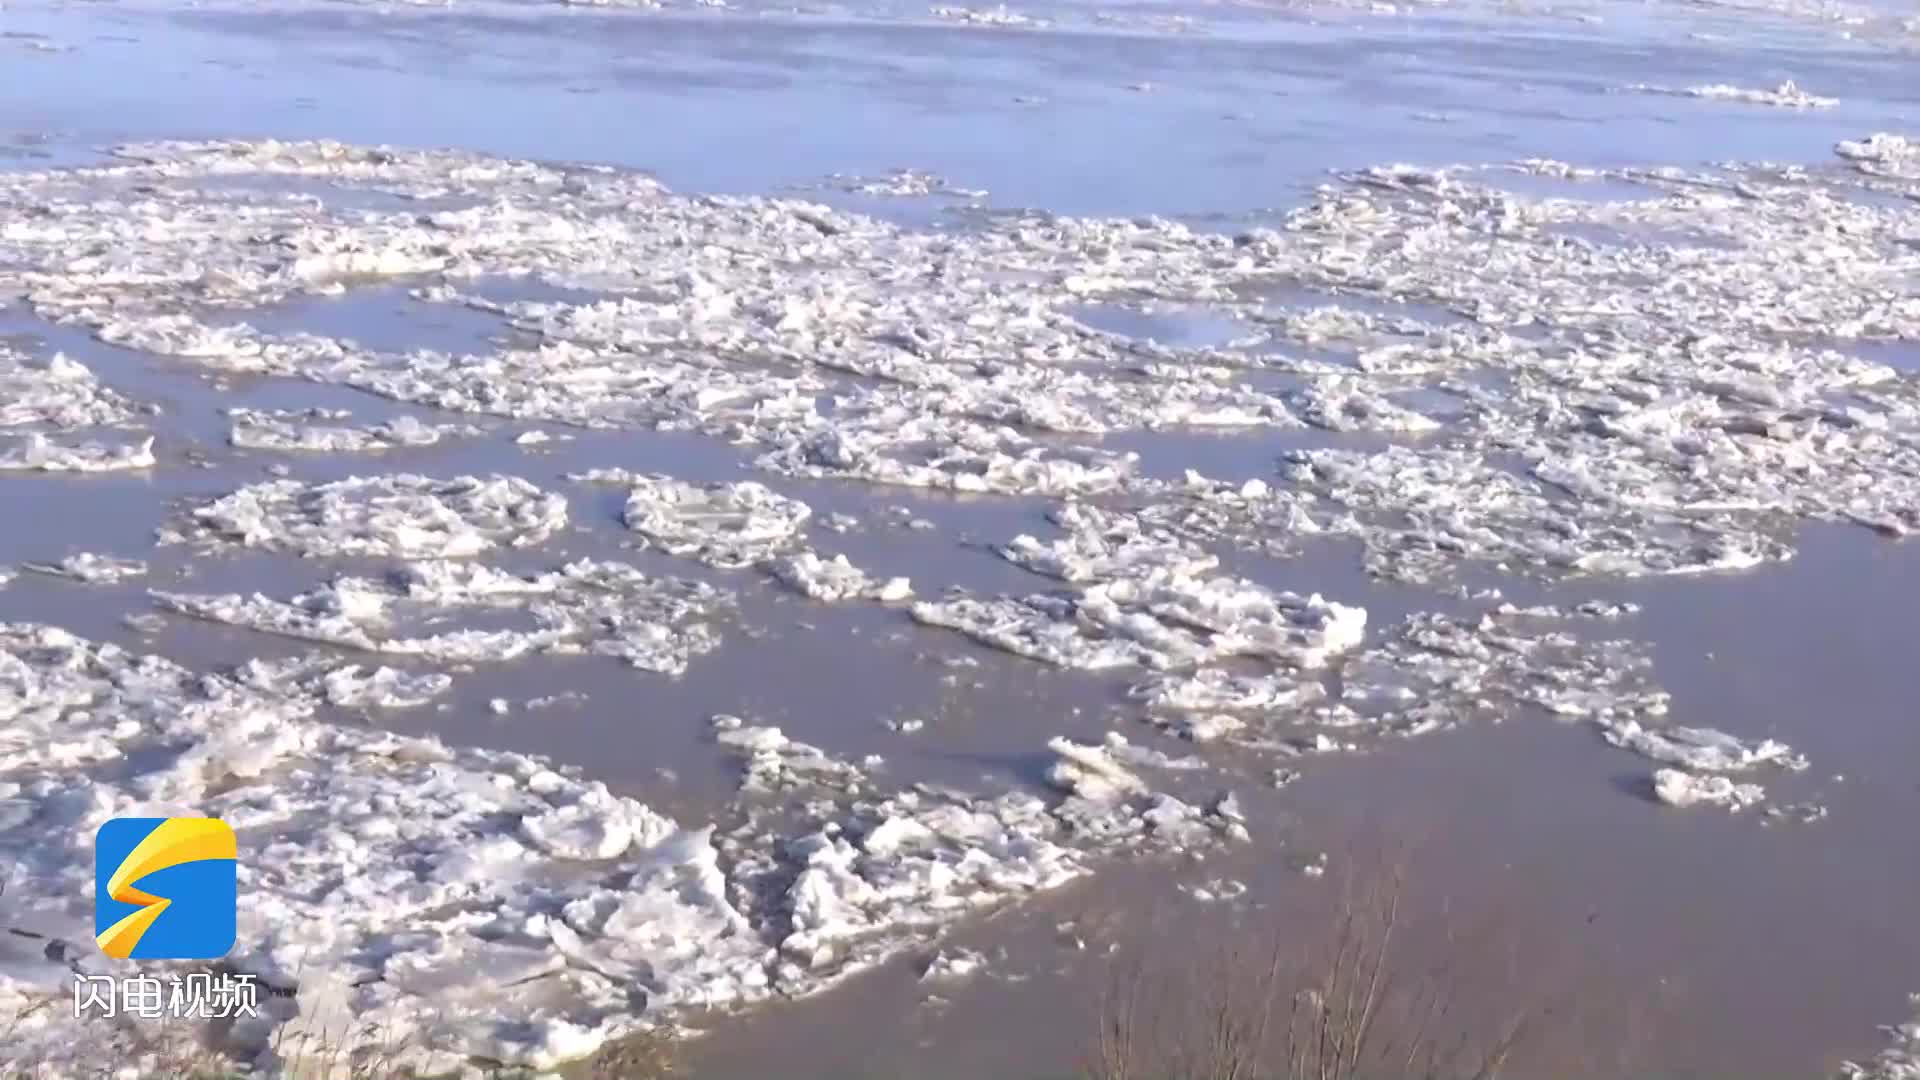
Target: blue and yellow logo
<point>165,888</point>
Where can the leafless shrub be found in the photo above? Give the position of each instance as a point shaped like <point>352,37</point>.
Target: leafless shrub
<point>1353,993</point>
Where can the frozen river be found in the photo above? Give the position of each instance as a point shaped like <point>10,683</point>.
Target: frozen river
<point>824,526</point>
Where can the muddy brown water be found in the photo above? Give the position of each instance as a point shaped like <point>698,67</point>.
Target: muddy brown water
<point>1753,950</point>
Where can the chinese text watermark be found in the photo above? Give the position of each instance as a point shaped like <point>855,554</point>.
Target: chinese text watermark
<point>200,995</point>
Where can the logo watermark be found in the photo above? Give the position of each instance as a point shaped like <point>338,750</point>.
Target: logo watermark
<point>164,888</point>
<point>198,995</point>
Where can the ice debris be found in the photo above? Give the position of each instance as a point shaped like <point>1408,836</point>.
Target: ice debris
<point>1900,1061</point>
<point>776,763</point>
<point>1786,95</point>
<point>948,964</point>
<point>1676,787</point>
<point>318,431</point>
<point>474,903</point>
<point>1700,749</point>
<point>993,16</point>
<point>92,569</point>
<point>1594,426</point>
<point>906,183</point>
<point>48,410</point>
<point>38,452</point>
<point>1160,620</point>
<point>836,579</point>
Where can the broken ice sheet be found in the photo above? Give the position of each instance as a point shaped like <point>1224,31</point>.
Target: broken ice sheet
<point>436,861</point>
<point>468,902</point>
<point>314,431</point>
<point>609,609</point>
<point>1643,407</point>
<point>399,516</point>
<point>774,762</point>
<point>855,889</point>
<point>349,686</point>
<point>1144,598</point>
<point>948,380</point>
<point>722,525</point>
<point>91,569</point>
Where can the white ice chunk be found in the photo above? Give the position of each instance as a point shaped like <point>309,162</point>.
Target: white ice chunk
<point>400,516</point>
<point>1701,749</point>
<point>1683,789</point>
<point>92,569</point>
<point>724,525</point>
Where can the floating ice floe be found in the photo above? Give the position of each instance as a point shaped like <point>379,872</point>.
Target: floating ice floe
<point>311,431</point>
<point>951,964</point>
<point>1700,749</point>
<point>345,685</point>
<point>907,183</point>
<point>1883,154</point>
<point>400,516</point>
<point>993,16</point>
<point>50,412</point>
<point>1553,387</point>
<point>836,579</point>
<point>92,569</point>
<point>1700,754</point>
<point>1166,622</point>
<point>1676,787</point>
<point>777,763</point>
<point>1786,95</point>
<point>60,394</point>
<point>38,452</point>
<point>604,608</point>
<point>1693,430</point>
<point>722,525</point>
<point>1145,600</point>
<point>1901,1061</point>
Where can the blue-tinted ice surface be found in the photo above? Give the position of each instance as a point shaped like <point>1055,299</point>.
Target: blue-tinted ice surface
<point>1094,467</point>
